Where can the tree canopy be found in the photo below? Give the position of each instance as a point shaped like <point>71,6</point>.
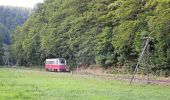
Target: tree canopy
<point>101,32</point>
<point>10,18</point>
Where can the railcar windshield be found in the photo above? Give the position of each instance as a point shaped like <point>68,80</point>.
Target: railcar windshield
<point>62,61</point>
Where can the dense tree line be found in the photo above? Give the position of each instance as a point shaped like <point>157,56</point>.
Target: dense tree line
<point>100,32</point>
<point>10,18</point>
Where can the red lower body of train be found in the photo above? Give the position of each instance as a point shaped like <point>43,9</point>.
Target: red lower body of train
<point>52,67</point>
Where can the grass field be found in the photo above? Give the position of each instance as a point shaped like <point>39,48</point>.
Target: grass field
<point>17,84</point>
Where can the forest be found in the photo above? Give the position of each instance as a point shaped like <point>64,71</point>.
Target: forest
<point>104,33</point>
<point>10,18</point>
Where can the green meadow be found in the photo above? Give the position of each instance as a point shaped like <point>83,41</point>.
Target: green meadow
<point>18,84</point>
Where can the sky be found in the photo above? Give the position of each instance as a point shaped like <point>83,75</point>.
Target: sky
<point>20,3</point>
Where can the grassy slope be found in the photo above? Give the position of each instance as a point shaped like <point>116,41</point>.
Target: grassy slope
<point>36,85</point>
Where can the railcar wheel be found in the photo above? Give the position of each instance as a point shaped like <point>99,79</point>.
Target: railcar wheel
<point>51,70</point>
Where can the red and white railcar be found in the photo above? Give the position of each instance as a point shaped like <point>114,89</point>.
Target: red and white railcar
<point>55,64</point>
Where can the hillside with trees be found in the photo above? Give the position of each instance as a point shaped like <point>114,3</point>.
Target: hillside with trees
<point>105,33</point>
<point>10,18</point>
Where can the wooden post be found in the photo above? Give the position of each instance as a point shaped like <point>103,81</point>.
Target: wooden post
<point>147,63</point>
<point>77,69</point>
<point>71,72</point>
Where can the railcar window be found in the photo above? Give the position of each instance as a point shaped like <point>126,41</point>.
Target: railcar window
<point>62,61</point>
<point>50,62</point>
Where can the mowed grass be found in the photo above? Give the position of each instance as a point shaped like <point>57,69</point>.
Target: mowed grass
<point>17,84</point>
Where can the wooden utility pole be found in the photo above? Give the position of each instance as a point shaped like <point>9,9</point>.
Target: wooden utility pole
<point>147,62</point>
<point>144,50</point>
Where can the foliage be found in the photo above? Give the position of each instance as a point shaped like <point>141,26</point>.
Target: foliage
<point>5,34</point>
<point>10,18</point>
<point>102,32</point>
<point>1,51</point>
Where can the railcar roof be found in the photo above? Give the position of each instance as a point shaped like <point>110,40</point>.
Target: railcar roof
<point>55,59</point>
